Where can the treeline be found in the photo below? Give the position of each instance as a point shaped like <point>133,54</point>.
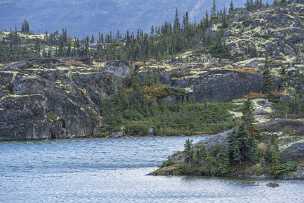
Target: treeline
<point>161,42</point>
<point>14,48</point>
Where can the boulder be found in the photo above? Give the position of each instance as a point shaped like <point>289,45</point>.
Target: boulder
<point>294,153</point>
<point>226,85</point>
<point>251,63</point>
<point>118,68</point>
<point>272,185</point>
<point>297,126</point>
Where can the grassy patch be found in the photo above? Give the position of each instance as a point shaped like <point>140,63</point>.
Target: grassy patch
<point>175,119</point>
<point>145,105</point>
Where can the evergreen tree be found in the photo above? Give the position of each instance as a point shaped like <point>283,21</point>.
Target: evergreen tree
<point>37,48</point>
<point>69,49</point>
<point>267,79</point>
<point>242,142</point>
<point>275,159</point>
<point>86,50</point>
<point>188,151</point>
<point>231,7</point>
<point>284,77</point>
<point>25,27</point>
<point>213,9</point>
<point>199,154</point>
<point>64,36</point>
<point>93,39</point>
<point>248,117</point>
<point>176,25</point>
<point>234,148</point>
<point>186,23</point>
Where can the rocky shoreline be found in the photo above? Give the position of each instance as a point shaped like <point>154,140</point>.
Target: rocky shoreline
<point>292,151</point>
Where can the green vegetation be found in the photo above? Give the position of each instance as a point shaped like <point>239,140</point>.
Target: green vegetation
<point>199,161</point>
<point>52,117</point>
<point>241,157</point>
<point>169,119</point>
<point>243,149</point>
<point>267,79</point>
<point>142,105</point>
<point>242,142</point>
<point>292,105</point>
<point>163,41</point>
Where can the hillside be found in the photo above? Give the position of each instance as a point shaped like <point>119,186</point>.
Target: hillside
<point>267,140</point>
<point>152,96</point>
<point>276,31</point>
<point>92,16</point>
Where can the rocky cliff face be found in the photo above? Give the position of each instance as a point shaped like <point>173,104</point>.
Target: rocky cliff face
<point>206,78</point>
<point>54,98</point>
<point>61,98</point>
<point>226,85</point>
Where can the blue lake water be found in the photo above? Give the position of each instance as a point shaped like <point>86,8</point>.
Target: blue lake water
<point>115,170</point>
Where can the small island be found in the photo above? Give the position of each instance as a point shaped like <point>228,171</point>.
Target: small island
<point>268,148</point>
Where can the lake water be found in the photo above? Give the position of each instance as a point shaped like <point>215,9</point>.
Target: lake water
<point>115,171</point>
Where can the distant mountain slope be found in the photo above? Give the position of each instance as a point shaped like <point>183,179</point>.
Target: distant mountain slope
<point>91,16</point>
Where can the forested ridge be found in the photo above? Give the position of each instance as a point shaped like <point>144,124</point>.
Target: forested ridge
<point>161,42</point>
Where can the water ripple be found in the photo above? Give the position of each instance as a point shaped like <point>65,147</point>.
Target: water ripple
<point>114,171</point>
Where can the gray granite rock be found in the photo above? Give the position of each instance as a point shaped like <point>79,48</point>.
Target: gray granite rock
<point>41,99</point>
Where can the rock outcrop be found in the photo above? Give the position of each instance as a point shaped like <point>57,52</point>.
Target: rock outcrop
<point>61,98</point>
<point>209,80</point>
<point>226,85</point>
<point>295,152</point>
<point>50,98</point>
<point>275,31</point>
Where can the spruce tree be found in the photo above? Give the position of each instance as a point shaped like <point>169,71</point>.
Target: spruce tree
<point>267,79</point>
<point>176,25</point>
<point>231,7</point>
<point>92,39</point>
<point>248,117</point>
<point>242,142</point>
<point>275,163</point>
<point>213,9</point>
<point>234,148</point>
<point>25,27</point>
<point>188,151</point>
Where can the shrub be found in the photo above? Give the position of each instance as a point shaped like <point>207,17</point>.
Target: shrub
<point>136,129</point>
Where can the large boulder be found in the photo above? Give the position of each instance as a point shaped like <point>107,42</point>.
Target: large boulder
<point>251,63</point>
<point>226,85</point>
<point>118,68</point>
<point>295,125</point>
<point>295,152</point>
